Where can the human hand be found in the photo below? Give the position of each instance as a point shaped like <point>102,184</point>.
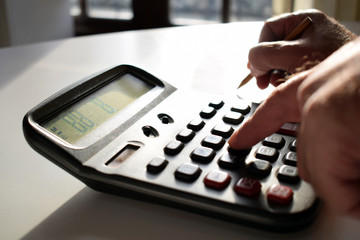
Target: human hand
<point>326,99</point>
<point>315,44</point>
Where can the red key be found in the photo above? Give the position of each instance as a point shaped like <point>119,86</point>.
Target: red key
<point>290,129</point>
<point>248,187</point>
<point>217,180</point>
<point>280,194</point>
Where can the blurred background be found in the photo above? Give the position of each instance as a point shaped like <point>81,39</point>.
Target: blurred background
<point>31,21</point>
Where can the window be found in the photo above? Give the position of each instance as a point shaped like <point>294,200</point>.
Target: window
<point>99,16</point>
<point>189,12</point>
<point>113,9</point>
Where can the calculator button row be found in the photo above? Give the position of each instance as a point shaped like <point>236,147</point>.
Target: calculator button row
<point>220,180</point>
<point>277,194</point>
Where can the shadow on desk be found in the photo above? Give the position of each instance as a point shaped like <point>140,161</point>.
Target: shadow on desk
<point>94,215</point>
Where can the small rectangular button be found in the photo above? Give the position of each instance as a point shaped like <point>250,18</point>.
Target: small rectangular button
<point>173,148</point>
<point>217,180</point>
<point>217,104</point>
<point>267,153</point>
<point>290,129</point>
<point>275,141</point>
<point>241,107</point>
<point>208,112</point>
<point>186,135</point>
<point>157,164</point>
<point>213,141</point>
<point>229,161</point>
<point>188,172</point>
<point>196,124</point>
<point>248,187</point>
<point>292,146</point>
<point>290,159</point>
<point>234,118</point>
<point>280,194</point>
<point>223,130</point>
<point>288,174</point>
<point>203,155</point>
<point>259,167</point>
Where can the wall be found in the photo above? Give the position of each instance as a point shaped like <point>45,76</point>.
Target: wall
<point>29,21</point>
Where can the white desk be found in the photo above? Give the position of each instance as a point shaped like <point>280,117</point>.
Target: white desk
<point>40,201</point>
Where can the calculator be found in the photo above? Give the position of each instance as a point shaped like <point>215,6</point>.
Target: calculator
<point>124,131</point>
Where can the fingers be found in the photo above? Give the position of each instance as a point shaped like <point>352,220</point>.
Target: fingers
<point>278,28</point>
<point>274,77</point>
<point>282,55</point>
<point>280,107</point>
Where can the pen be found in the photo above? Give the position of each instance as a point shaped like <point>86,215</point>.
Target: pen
<point>299,29</point>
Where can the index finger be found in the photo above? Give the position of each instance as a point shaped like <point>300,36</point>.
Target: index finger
<point>280,107</point>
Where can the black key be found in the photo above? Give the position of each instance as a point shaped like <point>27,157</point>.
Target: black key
<point>259,167</point>
<point>208,112</point>
<point>234,118</point>
<point>223,130</point>
<point>196,124</point>
<point>157,164</point>
<point>288,174</point>
<point>275,141</point>
<point>290,159</point>
<point>173,148</point>
<point>202,155</point>
<point>216,103</point>
<point>267,153</point>
<point>188,172</point>
<point>292,146</point>
<point>242,107</point>
<point>242,153</point>
<point>213,141</point>
<point>230,161</point>
<point>185,135</point>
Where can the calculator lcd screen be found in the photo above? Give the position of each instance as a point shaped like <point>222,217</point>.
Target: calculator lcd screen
<point>89,113</point>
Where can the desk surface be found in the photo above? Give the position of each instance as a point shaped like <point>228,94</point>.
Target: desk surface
<point>40,201</point>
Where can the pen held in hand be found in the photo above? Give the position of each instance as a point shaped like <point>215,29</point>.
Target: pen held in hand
<point>298,30</point>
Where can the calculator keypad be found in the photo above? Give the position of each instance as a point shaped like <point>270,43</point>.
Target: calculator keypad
<point>272,159</point>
